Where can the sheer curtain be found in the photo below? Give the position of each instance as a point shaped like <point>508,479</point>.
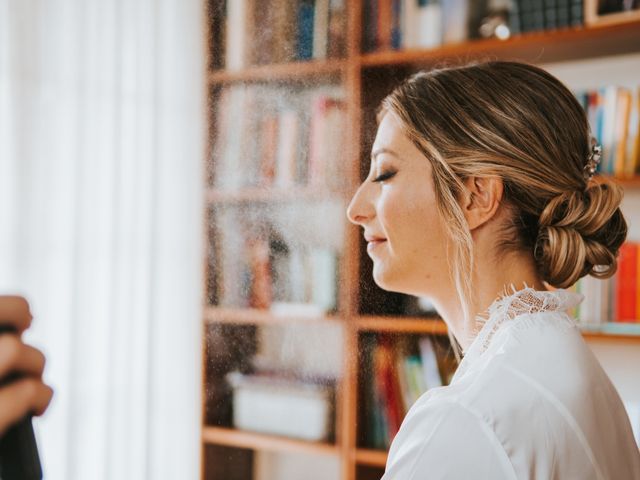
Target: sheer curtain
<point>101,143</point>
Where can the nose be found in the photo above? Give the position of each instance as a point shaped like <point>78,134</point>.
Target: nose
<point>360,208</point>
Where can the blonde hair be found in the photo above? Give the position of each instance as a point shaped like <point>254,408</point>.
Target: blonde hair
<point>518,122</point>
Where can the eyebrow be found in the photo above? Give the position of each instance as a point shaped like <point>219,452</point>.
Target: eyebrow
<point>383,150</point>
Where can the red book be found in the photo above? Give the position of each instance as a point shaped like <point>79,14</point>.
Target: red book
<point>384,360</point>
<point>626,283</point>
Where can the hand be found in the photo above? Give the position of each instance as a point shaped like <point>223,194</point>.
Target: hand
<point>21,388</point>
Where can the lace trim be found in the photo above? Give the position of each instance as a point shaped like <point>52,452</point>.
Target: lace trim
<point>520,302</point>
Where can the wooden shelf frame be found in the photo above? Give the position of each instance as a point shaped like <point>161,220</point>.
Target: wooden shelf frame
<point>592,41</point>
<point>281,72</point>
<point>231,437</point>
<point>545,46</point>
<point>374,458</point>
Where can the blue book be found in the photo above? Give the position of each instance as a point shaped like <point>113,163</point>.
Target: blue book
<point>396,30</point>
<point>304,50</point>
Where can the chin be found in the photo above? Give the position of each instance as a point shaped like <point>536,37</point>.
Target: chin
<point>385,279</point>
<point>394,281</point>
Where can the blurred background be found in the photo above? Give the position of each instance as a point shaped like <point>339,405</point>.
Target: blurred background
<point>174,176</point>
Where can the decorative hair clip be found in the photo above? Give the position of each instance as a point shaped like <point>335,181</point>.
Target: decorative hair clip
<point>593,160</point>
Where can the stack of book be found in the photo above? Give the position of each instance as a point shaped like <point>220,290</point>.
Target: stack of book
<point>280,405</point>
<point>276,137</point>
<point>290,30</point>
<point>394,377</point>
<point>612,305</point>
<point>260,268</point>
<point>401,24</point>
<point>613,114</point>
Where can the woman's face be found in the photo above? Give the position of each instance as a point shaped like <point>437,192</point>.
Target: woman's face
<point>396,206</point>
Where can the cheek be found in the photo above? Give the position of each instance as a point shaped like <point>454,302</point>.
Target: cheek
<point>410,222</point>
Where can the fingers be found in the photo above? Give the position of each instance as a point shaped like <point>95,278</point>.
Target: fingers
<point>23,396</point>
<point>16,357</point>
<point>15,312</point>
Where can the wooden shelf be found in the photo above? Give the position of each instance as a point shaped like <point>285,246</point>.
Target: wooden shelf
<point>401,325</point>
<point>537,47</point>
<point>271,195</point>
<point>545,46</point>
<point>360,76</point>
<point>257,441</point>
<point>287,72</point>
<point>626,182</point>
<point>374,458</point>
<point>254,316</point>
<point>619,332</point>
<point>438,327</point>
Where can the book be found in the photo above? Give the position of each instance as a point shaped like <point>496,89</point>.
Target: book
<point>337,29</point>
<point>239,35</point>
<point>394,377</point>
<point>429,363</point>
<point>621,132</point>
<point>430,23</point>
<point>326,141</point>
<point>455,19</point>
<point>576,13</point>
<point>268,148</point>
<point>550,14</point>
<point>258,254</point>
<point>287,148</point>
<point>320,29</point>
<point>370,27</point>
<point>285,30</point>
<point>304,36</point>
<point>562,13</point>
<point>384,24</point>
<point>610,94</point>
<point>625,294</point>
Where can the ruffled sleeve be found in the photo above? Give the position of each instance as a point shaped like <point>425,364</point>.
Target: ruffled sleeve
<point>446,440</point>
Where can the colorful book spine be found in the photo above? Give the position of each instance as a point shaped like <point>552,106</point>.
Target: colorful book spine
<point>320,29</point>
<point>613,305</point>
<point>304,50</point>
<point>326,141</point>
<point>626,288</point>
<point>613,114</point>
<point>395,377</point>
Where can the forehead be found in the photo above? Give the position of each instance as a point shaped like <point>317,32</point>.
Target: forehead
<point>391,135</point>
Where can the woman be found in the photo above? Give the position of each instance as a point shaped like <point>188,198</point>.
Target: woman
<point>480,196</point>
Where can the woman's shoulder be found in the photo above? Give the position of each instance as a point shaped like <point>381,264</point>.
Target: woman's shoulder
<point>432,430</point>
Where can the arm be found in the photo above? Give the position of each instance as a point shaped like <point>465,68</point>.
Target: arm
<point>446,441</point>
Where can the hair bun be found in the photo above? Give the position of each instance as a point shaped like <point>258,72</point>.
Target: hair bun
<point>580,234</point>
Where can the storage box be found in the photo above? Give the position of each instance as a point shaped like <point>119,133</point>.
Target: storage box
<point>281,407</point>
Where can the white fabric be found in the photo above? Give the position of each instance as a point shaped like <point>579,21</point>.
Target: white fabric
<point>529,401</point>
<point>101,144</point>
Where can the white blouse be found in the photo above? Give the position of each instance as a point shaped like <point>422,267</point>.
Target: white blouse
<point>529,400</point>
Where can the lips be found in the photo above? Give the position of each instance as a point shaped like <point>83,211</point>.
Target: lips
<point>372,238</point>
<point>373,242</point>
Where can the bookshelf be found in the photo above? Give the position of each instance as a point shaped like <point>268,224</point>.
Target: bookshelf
<point>361,310</point>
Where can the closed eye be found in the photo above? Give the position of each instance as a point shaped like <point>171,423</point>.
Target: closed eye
<point>384,176</point>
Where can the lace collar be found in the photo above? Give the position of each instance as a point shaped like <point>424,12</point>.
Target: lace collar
<point>508,307</point>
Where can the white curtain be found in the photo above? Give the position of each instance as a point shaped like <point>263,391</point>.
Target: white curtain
<point>101,143</point>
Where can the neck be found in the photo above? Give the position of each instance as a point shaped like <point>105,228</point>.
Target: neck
<point>491,280</point>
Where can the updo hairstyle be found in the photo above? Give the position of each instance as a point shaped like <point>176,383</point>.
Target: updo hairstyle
<point>520,123</point>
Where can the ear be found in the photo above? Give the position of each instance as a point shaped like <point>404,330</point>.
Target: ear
<point>481,200</point>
